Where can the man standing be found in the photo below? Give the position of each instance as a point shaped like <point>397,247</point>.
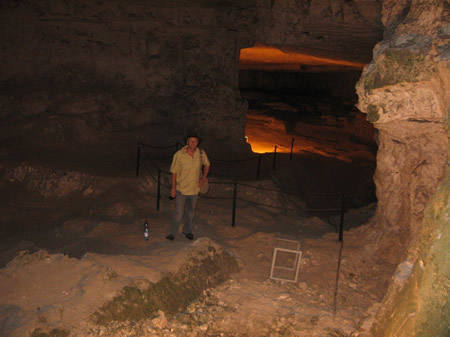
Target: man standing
<point>186,182</point>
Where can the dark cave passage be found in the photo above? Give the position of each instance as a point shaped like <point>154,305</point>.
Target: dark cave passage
<point>314,98</point>
<point>312,115</point>
<point>319,99</point>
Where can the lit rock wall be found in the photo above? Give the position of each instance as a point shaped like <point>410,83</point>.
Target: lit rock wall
<point>404,92</point>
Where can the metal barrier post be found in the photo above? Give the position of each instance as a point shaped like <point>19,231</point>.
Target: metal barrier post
<point>138,159</point>
<point>158,192</point>
<point>234,204</point>
<point>292,148</point>
<point>274,157</point>
<point>259,166</point>
<point>341,225</point>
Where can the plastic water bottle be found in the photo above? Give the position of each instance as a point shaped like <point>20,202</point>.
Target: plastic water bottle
<point>146,231</point>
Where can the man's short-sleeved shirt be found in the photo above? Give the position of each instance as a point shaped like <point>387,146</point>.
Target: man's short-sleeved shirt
<point>188,170</point>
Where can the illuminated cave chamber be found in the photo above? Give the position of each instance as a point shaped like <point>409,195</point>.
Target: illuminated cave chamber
<point>311,99</point>
<point>306,104</point>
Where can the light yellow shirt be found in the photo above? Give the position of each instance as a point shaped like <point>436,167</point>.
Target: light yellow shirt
<point>188,170</point>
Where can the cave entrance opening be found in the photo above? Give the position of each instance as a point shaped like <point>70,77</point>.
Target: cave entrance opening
<point>310,110</point>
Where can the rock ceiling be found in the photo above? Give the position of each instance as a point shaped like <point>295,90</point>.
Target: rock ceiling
<point>316,36</point>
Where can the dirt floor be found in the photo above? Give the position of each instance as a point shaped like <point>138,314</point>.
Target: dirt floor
<point>72,238</point>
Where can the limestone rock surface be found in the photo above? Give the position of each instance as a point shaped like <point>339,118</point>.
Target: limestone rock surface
<point>404,92</point>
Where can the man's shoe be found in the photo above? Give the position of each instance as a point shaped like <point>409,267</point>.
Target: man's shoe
<point>170,237</point>
<point>189,236</point>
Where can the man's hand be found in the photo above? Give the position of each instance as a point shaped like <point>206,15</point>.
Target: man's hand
<point>173,190</point>
<point>205,175</point>
<point>201,182</point>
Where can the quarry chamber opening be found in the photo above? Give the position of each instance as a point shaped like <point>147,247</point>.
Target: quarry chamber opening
<point>303,106</point>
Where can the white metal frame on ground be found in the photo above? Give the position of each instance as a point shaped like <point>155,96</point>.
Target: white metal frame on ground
<point>296,265</point>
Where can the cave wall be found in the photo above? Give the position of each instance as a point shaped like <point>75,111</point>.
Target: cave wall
<point>330,28</point>
<point>404,92</point>
<point>86,72</point>
<point>155,69</point>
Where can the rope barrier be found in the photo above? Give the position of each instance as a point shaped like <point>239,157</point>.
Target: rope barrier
<point>233,160</point>
<point>233,176</point>
<point>154,165</point>
<point>160,158</point>
<point>235,186</point>
<point>257,187</point>
<point>290,208</point>
<point>152,177</point>
<point>215,198</point>
<point>221,183</point>
<point>291,193</point>
<point>259,157</point>
<point>271,206</point>
<point>252,186</point>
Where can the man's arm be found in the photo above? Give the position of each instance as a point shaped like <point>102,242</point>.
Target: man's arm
<point>205,174</point>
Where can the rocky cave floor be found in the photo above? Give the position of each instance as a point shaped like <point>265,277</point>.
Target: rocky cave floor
<point>61,209</point>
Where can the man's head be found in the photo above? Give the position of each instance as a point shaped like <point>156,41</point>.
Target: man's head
<point>192,140</point>
<point>193,135</point>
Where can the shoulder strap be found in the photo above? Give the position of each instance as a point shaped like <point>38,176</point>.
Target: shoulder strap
<point>201,156</point>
